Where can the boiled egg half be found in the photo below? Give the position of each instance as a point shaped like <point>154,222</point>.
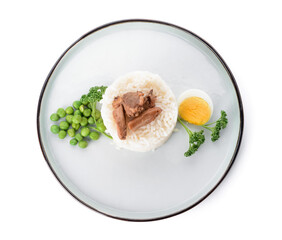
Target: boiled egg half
<point>195,106</point>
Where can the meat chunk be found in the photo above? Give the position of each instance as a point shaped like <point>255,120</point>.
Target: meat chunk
<point>150,100</point>
<point>133,103</point>
<point>146,117</point>
<point>134,110</point>
<point>117,102</point>
<point>128,119</point>
<point>119,118</point>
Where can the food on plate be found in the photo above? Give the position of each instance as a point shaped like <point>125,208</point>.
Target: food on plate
<point>54,117</point>
<point>69,110</point>
<point>75,126</point>
<point>69,118</point>
<point>120,119</point>
<point>64,125</point>
<point>61,112</point>
<point>197,138</point>
<point>82,144</point>
<point>73,141</point>
<point>87,112</point>
<point>55,129</point>
<point>85,131</point>
<point>139,112</point>
<point>144,118</point>
<point>62,134</point>
<point>85,118</point>
<point>195,106</point>
<point>146,100</point>
<point>134,110</point>
<point>94,96</point>
<point>76,104</point>
<point>78,137</point>
<point>94,135</point>
<point>71,132</point>
<point>216,126</point>
<point>77,119</point>
<point>134,103</point>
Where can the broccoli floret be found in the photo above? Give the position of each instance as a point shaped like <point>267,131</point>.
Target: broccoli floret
<point>84,99</point>
<point>94,96</point>
<point>221,123</point>
<point>196,139</point>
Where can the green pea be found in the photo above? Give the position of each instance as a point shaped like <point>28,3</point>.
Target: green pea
<point>69,118</point>
<point>69,110</point>
<point>99,120</point>
<point>62,134</point>
<point>87,112</point>
<point>71,132</point>
<point>76,119</point>
<point>94,135</point>
<point>76,104</point>
<point>84,121</point>
<point>55,129</point>
<point>77,112</point>
<point>61,112</point>
<point>82,144</point>
<point>91,120</point>
<point>78,137</point>
<point>75,126</point>
<point>73,141</point>
<point>97,114</point>
<point>85,131</point>
<point>54,117</point>
<point>100,126</point>
<point>81,108</point>
<point>64,125</point>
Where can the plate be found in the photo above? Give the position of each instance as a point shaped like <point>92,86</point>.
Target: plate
<point>130,185</point>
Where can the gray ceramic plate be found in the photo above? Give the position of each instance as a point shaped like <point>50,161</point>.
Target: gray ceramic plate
<point>130,185</point>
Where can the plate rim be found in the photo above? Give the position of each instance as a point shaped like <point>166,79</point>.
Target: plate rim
<point>239,99</point>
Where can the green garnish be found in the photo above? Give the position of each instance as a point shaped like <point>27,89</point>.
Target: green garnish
<point>221,123</point>
<point>196,139</point>
<point>86,116</point>
<point>94,96</point>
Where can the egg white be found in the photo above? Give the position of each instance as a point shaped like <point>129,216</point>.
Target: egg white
<point>195,93</point>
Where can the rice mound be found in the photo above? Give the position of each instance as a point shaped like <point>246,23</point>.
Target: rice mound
<point>154,134</point>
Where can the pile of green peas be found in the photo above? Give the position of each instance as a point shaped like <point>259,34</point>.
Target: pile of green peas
<point>76,121</point>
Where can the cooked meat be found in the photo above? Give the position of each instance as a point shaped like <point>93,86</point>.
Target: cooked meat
<point>134,110</point>
<point>128,119</point>
<point>117,101</point>
<point>150,100</point>
<point>119,118</point>
<point>133,103</point>
<point>146,117</point>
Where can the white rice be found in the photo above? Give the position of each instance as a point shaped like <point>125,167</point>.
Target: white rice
<point>154,134</point>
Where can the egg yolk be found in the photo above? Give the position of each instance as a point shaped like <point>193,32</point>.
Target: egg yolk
<point>195,110</point>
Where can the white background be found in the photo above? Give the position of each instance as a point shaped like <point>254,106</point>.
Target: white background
<point>247,34</point>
